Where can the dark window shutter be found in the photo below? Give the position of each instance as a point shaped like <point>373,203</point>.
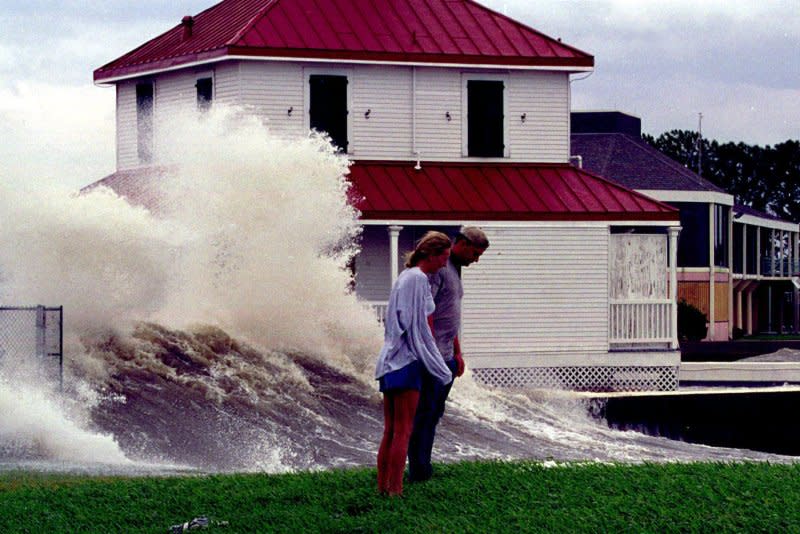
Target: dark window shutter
<point>485,117</point>
<point>205,93</point>
<point>144,121</point>
<point>329,107</point>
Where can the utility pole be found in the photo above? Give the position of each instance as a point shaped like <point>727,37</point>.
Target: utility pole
<point>700,144</point>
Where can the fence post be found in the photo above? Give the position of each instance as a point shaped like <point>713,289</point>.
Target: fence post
<point>41,330</point>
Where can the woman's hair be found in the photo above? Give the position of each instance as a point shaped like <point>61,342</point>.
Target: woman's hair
<point>431,244</point>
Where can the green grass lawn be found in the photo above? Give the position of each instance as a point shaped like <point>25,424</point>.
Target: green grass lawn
<point>465,497</point>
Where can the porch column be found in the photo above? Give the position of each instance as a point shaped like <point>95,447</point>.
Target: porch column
<point>744,251</point>
<point>772,252</point>
<point>394,234</point>
<point>749,297</point>
<point>729,229</point>
<point>712,308</point>
<point>793,273</point>
<point>739,322</point>
<point>758,251</point>
<point>673,281</point>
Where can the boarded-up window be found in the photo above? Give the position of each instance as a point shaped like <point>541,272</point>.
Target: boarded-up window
<point>144,121</point>
<point>205,93</point>
<point>328,107</point>
<point>485,119</point>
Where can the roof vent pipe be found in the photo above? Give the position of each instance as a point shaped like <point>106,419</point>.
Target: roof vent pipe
<point>187,22</point>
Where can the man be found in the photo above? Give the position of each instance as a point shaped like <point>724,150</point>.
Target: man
<point>468,246</point>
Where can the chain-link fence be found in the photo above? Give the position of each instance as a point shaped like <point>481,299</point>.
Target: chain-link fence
<point>35,332</point>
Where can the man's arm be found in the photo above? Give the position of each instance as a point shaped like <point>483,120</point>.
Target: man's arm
<point>458,357</point>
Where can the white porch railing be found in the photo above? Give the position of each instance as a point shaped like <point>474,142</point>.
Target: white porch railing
<point>640,321</point>
<point>379,307</point>
<point>629,321</point>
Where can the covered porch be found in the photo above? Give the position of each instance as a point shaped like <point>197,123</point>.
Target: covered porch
<point>577,290</point>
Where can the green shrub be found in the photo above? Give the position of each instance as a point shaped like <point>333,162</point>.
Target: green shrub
<point>692,323</point>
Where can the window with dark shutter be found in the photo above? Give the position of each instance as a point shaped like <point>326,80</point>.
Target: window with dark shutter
<point>485,119</point>
<point>328,107</point>
<point>144,121</point>
<point>205,93</point>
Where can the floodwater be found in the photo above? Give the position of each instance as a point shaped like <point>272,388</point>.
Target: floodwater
<point>217,332</point>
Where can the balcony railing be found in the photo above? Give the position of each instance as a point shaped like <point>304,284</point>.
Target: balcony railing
<point>379,307</point>
<point>640,321</point>
<point>781,267</point>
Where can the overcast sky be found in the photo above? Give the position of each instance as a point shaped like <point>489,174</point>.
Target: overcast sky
<point>736,61</point>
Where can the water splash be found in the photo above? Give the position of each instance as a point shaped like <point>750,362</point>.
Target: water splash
<point>218,330</point>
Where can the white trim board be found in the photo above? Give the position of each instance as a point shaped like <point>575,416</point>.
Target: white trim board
<point>668,195</point>
<point>343,62</point>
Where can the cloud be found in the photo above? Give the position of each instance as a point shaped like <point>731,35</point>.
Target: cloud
<point>735,61</point>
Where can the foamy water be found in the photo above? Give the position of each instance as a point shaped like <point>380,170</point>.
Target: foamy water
<point>219,333</point>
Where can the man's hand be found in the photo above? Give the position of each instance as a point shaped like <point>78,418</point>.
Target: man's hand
<point>459,364</point>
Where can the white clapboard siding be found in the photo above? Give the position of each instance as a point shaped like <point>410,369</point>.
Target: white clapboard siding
<point>438,92</point>
<point>543,98</point>
<point>270,90</point>
<point>540,289</point>
<point>372,265</point>
<point>386,93</point>
<point>176,93</point>
<point>227,83</point>
<point>397,123</point>
<point>127,155</point>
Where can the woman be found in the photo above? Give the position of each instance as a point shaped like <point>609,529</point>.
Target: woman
<point>409,350</point>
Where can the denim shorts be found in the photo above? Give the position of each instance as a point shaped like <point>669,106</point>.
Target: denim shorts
<point>408,377</point>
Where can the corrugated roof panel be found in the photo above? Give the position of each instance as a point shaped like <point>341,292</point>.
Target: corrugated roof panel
<point>452,191</point>
<point>433,197</point>
<point>525,188</point>
<point>487,189</point>
<point>499,192</point>
<point>428,31</point>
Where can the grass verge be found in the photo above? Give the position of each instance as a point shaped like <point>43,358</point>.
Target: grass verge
<point>465,497</point>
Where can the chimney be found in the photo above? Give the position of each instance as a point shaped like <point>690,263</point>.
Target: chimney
<point>187,22</point>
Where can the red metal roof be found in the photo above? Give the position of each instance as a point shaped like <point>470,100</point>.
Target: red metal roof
<point>495,192</point>
<point>455,191</point>
<point>426,31</point>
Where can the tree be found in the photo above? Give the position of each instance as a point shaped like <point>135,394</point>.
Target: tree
<point>765,178</point>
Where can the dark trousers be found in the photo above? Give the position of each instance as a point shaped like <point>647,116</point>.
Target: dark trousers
<point>429,410</point>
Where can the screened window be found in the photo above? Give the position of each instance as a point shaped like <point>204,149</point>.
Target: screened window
<point>205,93</point>
<point>738,247</point>
<point>721,235</point>
<point>328,107</point>
<point>752,249</point>
<point>485,116</point>
<point>144,121</point>
<point>693,239</point>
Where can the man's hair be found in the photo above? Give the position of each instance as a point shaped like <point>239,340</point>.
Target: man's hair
<point>431,244</point>
<point>473,236</point>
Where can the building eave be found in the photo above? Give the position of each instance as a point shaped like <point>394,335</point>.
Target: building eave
<point>116,74</point>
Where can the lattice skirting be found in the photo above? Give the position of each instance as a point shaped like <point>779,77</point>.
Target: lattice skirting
<point>588,378</point>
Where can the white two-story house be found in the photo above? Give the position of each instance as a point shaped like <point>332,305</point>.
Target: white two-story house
<point>452,114</point>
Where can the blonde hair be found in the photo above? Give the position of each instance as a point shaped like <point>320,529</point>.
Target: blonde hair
<point>431,244</point>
